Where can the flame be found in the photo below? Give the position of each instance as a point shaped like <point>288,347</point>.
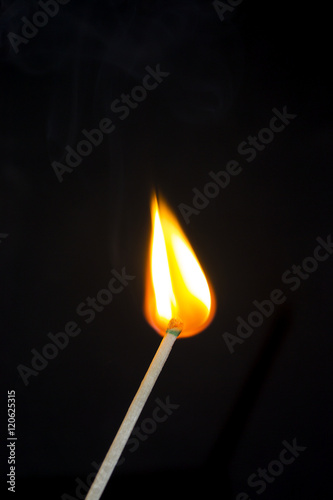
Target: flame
<point>176,286</point>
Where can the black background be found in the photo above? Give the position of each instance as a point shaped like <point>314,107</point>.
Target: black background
<point>226,76</point>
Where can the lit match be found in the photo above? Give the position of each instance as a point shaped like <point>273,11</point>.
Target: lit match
<point>176,287</point>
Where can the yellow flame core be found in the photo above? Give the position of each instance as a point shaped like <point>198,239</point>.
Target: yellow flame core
<point>160,272</point>
<point>176,286</point>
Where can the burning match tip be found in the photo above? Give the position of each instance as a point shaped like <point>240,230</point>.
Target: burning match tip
<point>175,326</point>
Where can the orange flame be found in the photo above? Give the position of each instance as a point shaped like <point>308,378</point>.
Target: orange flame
<point>176,286</point>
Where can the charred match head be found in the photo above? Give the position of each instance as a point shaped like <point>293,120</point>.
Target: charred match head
<point>175,326</point>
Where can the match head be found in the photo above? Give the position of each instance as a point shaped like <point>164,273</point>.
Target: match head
<point>175,326</point>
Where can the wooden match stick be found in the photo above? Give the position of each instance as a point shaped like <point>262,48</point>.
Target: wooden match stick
<point>175,327</point>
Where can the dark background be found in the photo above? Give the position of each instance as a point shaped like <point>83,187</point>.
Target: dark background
<point>226,76</point>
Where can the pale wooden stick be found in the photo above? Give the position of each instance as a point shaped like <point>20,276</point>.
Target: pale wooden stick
<point>133,413</point>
